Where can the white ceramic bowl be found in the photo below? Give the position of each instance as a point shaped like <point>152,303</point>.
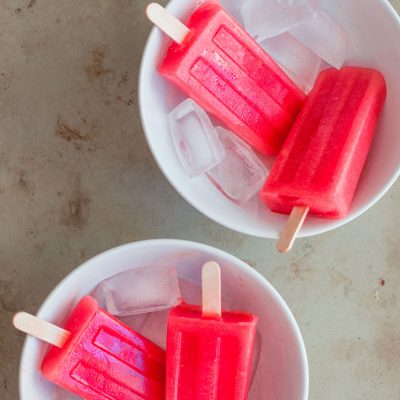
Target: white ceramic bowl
<point>374,28</point>
<point>282,372</point>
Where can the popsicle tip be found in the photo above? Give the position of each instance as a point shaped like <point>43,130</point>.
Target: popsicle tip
<point>211,266</point>
<point>292,228</point>
<point>284,248</point>
<point>164,20</point>
<point>41,329</point>
<point>211,289</point>
<point>17,318</point>
<point>151,8</point>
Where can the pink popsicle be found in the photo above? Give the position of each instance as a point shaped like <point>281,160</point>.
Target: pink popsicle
<point>209,353</point>
<point>104,359</point>
<point>206,358</point>
<point>227,73</point>
<point>320,164</point>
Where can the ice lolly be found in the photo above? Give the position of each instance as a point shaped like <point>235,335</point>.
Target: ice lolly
<point>228,74</point>
<point>99,357</point>
<point>209,353</point>
<point>318,168</point>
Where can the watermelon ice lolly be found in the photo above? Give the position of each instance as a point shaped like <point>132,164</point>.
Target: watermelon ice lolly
<point>318,168</point>
<point>209,353</point>
<point>228,74</point>
<point>98,357</point>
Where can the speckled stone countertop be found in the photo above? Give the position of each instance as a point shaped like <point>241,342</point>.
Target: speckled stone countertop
<point>77,177</point>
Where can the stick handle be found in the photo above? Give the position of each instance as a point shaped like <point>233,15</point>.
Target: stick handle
<point>170,25</point>
<point>211,290</point>
<point>40,329</point>
<point>292,228</point>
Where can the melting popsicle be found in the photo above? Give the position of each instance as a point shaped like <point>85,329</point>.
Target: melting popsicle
<point>318,168</point>
<point>228,74</point>
<point>97,357</point>
<point>209,353</point>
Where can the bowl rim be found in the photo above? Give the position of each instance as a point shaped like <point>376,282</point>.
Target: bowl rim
<point>184,245</point>
<point>226,222</point>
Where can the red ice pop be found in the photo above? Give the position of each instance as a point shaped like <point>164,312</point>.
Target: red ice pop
<point>227,73</point>
<point>319,166</point>
<point>209,353</point>
<point>97,357</point>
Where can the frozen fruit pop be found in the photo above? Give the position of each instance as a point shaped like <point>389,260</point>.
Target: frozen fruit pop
<point>319,166</point>
<point>98,357</point>
<point>228,74</point>
<point>209,353</point>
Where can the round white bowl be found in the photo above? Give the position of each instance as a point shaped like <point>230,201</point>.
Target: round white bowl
<point>282,372</point>
<point>374,28</point>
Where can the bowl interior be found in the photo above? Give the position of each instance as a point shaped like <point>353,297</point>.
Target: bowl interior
<point>374,30</point>
<point>282,370</point>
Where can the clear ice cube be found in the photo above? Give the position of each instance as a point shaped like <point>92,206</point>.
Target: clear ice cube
<point>139,290</point>
<point>301,64</point>
<point>267,18</point>
<point>256,356</point>
<point>152,325</point>
<point>325,37</point>
<point>191,292</point>
<point>58,393</point>
<point>241,174</point>
<point>195,139</point>
<point>233,8</point>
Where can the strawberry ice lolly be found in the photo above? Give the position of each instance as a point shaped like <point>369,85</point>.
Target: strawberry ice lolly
<point>101,358</point>
<point>227,73</point>
<point>319,166</point>
<point>209,353</point>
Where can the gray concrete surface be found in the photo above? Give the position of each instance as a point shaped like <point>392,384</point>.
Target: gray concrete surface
<point>76,178</point>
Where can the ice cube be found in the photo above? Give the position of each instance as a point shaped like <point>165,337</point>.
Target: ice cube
<point>195,139</point>
<point>152,325</point>
<point>191,292</point>
<point>325,37</point>
<point>58,393</point>
<point>256,356</point>
<point>267,18</point>
<point>298,60</point>
<point>233,8</point>
<point>241,174</point>
<point>139,290</point>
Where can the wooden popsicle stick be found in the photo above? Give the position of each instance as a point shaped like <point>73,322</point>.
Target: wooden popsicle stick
<point>211,290</point>
<point>292,228</point>
<point>40,329</point>
<point>169,24</point>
